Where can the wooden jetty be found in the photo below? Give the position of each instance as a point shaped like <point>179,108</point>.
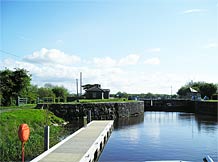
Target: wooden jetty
<point>85,145</point>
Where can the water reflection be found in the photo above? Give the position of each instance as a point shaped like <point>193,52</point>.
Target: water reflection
<point>203,122</point>
<point>206,123</point>
<point>122,123</point>
<point>163,136</point>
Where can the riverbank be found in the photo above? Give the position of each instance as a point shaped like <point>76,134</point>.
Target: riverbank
<point>10,145</point>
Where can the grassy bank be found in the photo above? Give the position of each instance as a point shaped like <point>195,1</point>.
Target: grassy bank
<point>26,106</point>
<point>92,101</point>
<point>10,146</point>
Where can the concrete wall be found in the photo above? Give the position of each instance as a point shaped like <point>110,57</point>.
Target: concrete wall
<point>98,110</point>
<point>198,107</point>
<point>169,105</point>
<point>207,108</point>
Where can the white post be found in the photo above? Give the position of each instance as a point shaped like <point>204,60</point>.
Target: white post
<point>151,102</point>
<point>85,121</point>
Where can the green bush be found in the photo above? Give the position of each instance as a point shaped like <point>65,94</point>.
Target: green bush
<point>10,146</point>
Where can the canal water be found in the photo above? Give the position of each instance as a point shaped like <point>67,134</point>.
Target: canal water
<point>163,136</point>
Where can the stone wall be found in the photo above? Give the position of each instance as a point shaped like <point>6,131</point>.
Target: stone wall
<point>169,105</point>
<point>198,107</point>
<point>106,110</point>
<point>207,108</point>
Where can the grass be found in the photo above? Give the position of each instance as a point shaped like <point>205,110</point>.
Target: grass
<point>98,100</point>
<point>105,100</point>
<point>211,100</point>
<point>10,146</point>
<point>26,106</point>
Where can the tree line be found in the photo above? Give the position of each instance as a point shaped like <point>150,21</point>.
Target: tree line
<point>17,83</point>
<point>205,89</point>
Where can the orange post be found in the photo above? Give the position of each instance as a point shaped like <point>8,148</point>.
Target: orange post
<point>23,134</point>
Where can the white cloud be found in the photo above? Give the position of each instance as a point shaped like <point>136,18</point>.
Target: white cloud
<point>114,76</point>
<point>212,45</point>
<point>152,50</point>
<point>194,11</point>
<point>129,60</point>
<point>46,56</point>
<point>104,62</point>
<point>152,61</point>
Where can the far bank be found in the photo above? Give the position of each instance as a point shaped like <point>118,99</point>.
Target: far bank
<point>171,105</point>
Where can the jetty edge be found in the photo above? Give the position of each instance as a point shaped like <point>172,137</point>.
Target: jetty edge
<point>85,145</point>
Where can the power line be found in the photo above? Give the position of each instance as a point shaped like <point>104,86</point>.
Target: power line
<point>8,53</point>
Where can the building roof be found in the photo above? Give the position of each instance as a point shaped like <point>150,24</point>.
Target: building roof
<point>94,89</point>
<point>193,90</point>
<point>97,89</point>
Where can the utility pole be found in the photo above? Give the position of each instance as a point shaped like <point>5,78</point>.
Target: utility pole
<point>171,92</point>
<point>80,83</point>
<point>77,87</point>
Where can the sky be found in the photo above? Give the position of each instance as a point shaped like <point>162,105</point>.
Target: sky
<point>133,46</point>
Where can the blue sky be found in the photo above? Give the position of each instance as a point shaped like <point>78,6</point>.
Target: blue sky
<point>133,46</point>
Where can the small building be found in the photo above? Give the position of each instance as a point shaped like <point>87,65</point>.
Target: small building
<point>194,94</point>
<point>96,92</point>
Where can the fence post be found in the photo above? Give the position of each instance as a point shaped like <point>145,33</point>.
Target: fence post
<point>46,138</point>
<point>89,116</point>
<point>18,101</point>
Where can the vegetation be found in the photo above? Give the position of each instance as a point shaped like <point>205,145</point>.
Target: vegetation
<point>10,146</point>
<point>16,84</point>
<point>143,95</point>
<point>121,95</point>
<point>60,92</point>
<point>104,100</point>
<point>13,84</point>
<point>45,92</point>
<point>205,89</point>
<point>26,106</point>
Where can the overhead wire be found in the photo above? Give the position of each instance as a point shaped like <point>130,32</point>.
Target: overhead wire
<point>9,53</point>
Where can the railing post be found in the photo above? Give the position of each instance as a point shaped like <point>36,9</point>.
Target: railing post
<point>18,101</point>
<point>89,116</point>
<point>46,138</point>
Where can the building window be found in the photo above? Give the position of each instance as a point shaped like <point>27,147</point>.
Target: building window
<point>94,95</point>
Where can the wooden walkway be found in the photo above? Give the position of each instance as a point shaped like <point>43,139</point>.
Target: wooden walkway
<point>84,145</point>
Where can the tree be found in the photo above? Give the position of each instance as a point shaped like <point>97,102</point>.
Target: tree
<point>45,92</point>
<point>31,93</point>
<point>208,89</point>
<point>13,83</point>
<point>121,95</point>
<point>6,86</point>
<point>60,92</point>
<point>183,91</point>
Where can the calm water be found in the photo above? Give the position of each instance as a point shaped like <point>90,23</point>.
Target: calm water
<point>163,136</point>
